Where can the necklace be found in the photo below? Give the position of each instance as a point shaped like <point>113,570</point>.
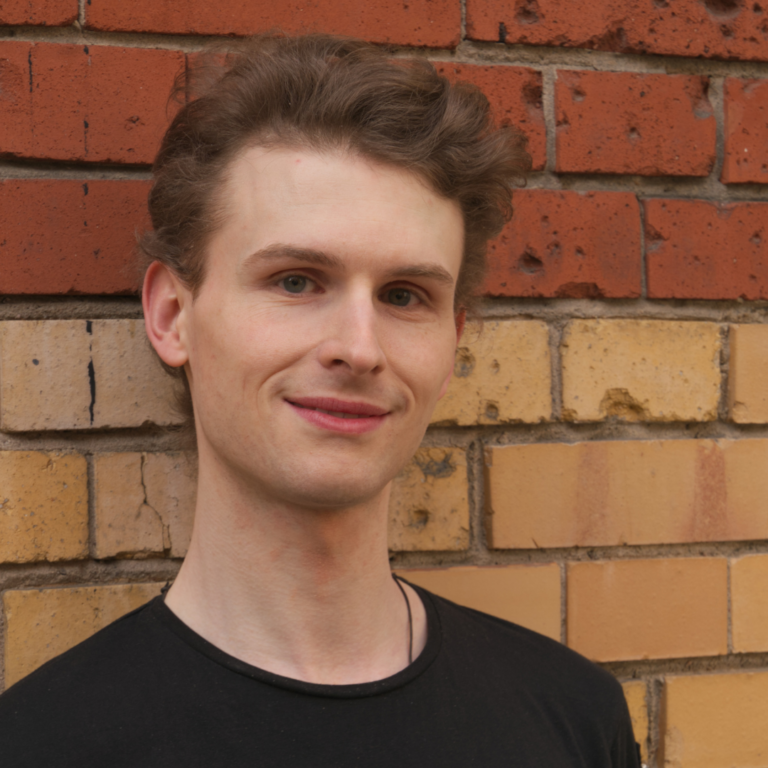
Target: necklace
<point>410,618</point>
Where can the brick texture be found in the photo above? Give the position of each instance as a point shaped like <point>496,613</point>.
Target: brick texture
<point>515,95</point>
<point>641,370</point>
<point>42,623</point>
<point>635,693</point>
<point>568,245</point>
<point>528,595</point>
<point>144,504</point>
<point>711,721</point>
<point>648,609</point>
<point>429,506</point>
<point>611,493</point>
<point>701,250</point>
<point>70,237</point>
<point>501,375</point>
<point>714,28</point>
<point>418,22</point>
<point>746,119</point>
<point>622,122</point>
<point>749,606</point>
<point>43,506</point>
<point>85,103</point>
<point>748,373</point>
<point>46,13</point>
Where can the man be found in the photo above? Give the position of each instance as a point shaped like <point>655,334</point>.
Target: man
<point>320,214</point>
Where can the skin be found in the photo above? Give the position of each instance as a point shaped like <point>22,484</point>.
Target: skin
<point>316,349</point>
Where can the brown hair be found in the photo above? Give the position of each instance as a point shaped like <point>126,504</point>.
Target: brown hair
<point>324,92</point>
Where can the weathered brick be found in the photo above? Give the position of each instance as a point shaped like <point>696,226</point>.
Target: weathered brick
<point>701,250</point>
<point>635,693</point>
<point>62,236</point>
<point>746,119</point>
<point>429,506</point>
<point>622,122</point>
<point>528,595</point>
<point>515,94</point>
<point>46,13</point>
<point>93,103</point>
<point>42,623</point>
<point>501,375</point>
<point>712,721</point>
<point>641,370</point>
<point>144,504</point>
<point>79,374</point>
<point>435,23</point>
<point>713,28</point>
<point>749,607</point>
<point>609,493</point>
<point>43,506</point>
<point>748,373</point>
<point>568,245</point>
<point>648,609</point>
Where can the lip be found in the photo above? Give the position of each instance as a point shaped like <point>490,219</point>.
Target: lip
<point>370,416</point>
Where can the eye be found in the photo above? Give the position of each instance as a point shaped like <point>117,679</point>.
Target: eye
<point>295,283</point>
<point>400,297</point>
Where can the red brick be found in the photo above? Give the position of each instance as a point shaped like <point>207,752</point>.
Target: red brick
<point>724,29</point>
<point>73,102</point>
<point>515,95</point>
<point>435,23</point>
<point>746,123</point>
<point>701,250</point>
<point>70,236</point>
<point>46,13</point>
<point>622,122</point>
<point>568,244</point>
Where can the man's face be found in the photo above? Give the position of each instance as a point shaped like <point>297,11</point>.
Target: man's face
<point>324,332</point>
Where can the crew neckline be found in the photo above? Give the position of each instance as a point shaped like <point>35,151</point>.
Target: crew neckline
<point>171,621</point>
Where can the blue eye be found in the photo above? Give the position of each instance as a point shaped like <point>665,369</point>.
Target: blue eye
<point>400,297</point>
<point>294,283</point>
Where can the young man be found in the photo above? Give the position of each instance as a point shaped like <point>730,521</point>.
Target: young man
<point>320,214</point>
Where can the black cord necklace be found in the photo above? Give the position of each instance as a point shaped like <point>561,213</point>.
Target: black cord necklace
<point>410,618</point>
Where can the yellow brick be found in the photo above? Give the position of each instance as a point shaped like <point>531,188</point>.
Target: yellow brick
<point>749,603</point>
<point>747,393</point>
<point>131,386</point>
<point>635,694</point>
<point>648,609</point>
<point>528,595</point>
<point>44,381</point>
<point>42,623</point>
<point>144,504</point>
<point>43,506</point>
<point>501,375</point>
<point>606,493</point>
<point>429,507</point>
<point>641,370</point>
<point>715,721</point>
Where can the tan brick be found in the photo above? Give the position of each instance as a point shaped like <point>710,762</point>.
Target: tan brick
<point>42,623</point>
<point>501,375</point>
<point>144,504</point>
<point>749,603</point>
<point>648,609</point>
<point>635,693</point>
<point>429,506</point>
<point>606,493</point>
<point>747,391</point>
<point>528,595</point>
<point>715,721</point>
<point>43,506</point>
<point>131,386</point>
<point>44,382</point>
<point>641,370</point>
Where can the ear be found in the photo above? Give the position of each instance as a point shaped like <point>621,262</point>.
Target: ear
<point>163,298</point>
<point>461,319</point>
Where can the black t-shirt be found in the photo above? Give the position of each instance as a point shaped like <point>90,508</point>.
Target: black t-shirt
<point>147,691</point>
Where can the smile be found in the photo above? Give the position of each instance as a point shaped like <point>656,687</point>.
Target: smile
<point>342,416</point>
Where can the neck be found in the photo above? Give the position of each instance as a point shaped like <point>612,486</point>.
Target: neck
<point>305,593</point>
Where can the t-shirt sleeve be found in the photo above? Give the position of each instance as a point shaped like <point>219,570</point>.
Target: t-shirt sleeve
<point>625,752</point>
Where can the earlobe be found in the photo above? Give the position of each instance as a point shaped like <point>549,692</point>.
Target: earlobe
<point>163,299</point>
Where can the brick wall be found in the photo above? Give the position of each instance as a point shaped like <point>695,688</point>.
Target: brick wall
<point>598,470</point>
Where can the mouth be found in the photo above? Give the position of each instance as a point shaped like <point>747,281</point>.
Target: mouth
<point>339,415</point>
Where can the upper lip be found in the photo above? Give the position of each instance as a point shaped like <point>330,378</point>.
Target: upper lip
<point>338,406</point>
